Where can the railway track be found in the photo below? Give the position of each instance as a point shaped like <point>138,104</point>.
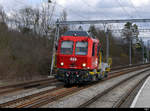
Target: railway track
<point>45,97</point>
<point>26,85</point>
<point>22,86</point>
<point>127,66</point>
<point>109,97</point>
<point>120,103</point>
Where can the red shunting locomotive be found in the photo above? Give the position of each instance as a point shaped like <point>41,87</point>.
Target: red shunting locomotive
<point>79,58</point>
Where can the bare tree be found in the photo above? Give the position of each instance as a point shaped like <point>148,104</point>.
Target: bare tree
<point>46,18</point>
<point>63,17</point>
<point>34,20</point>
<point>3,16</point>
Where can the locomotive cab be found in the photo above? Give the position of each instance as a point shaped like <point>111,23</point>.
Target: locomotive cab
<point>78,57</point>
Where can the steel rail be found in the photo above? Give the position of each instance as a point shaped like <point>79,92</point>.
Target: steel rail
<point>22,86</point>
<point>12,90</point>
<point>50,98</point>
<point>18,87</point>
<point>49,91</point>
<point>102,94</point>
<point>124,97</point>
<point>25,83</point>
<point>12,102</point>
<point>45,100</point>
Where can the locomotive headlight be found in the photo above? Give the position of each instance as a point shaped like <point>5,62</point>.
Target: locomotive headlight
<point>84,64</point>
<point>61,63</point>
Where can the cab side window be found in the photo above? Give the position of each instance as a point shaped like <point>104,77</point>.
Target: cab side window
<point>93,50</point>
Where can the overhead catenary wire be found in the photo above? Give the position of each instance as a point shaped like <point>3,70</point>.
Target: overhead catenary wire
<point>74,12</point>
<point>87,4</point>
<point>105,16</point>
<point>138,14</point>
<point>124,10</point>
<point>23,3</point>
<point>134,8</point>
<point>19,2</point>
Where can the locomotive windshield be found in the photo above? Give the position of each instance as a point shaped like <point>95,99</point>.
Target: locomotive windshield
<point>66,47</point>
<point>81,48</point>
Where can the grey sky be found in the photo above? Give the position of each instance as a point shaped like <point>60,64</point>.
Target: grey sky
<point>89,9</point>
<point>81,9</point>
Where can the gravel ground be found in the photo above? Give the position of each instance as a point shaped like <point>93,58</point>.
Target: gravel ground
<point>112,97</point>
<point>24,93</point>
<point>10,82</point>
<point>80,97</point>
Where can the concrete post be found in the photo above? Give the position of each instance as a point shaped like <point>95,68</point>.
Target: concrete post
<point>107,45</point>
<point>54,48</point>
<point>130,52</point>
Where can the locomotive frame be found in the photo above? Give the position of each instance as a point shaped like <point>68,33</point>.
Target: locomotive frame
<point>79,68</point>
<point>78,75</point>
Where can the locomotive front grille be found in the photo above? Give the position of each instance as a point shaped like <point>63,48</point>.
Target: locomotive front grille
<point>72,65</point>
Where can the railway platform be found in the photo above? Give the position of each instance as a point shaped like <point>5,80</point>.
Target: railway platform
<point>142,99</point>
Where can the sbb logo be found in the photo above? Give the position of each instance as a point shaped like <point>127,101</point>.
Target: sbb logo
<point>73,59</point>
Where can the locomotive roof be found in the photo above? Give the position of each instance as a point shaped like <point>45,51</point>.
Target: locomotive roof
<point>76,33</point>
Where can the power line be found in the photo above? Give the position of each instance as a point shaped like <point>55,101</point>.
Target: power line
<point>137,11</point>
<point>71,11</point>
<point>20,2</point>
<point>123,8</point>
<point>134,8</point>
<point>94,8</point>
